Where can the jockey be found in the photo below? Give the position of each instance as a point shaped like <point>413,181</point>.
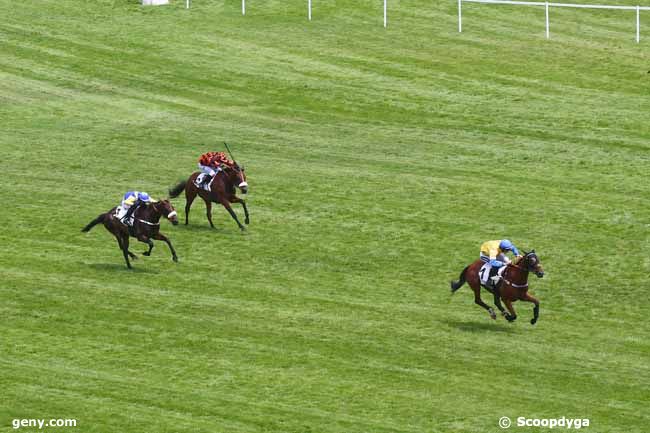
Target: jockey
<point>210,164</point>
<point>130,202</point>
<point>493,255</point>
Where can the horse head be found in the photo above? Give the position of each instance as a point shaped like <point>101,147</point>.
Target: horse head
<point>531,263</point>
<point>237,177</point>
<point>166,209</point>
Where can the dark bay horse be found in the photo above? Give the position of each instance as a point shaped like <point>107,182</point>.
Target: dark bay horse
<point>512,287</point>
<point>222,190</point>
<point>146,226</point>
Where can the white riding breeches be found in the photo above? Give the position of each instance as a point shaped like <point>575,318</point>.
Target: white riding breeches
<point>209,170</point>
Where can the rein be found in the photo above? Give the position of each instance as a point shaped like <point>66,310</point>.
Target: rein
<point>147,222</point>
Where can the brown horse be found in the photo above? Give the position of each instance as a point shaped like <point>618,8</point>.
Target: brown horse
<point>512,287</point>
<point>222,190</point>
<point>146,226</point>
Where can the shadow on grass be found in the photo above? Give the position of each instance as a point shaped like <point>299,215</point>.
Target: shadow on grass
<point>198,227</point>
<point>218,230</point>
<point>115,267</point>
<point>490,326</point>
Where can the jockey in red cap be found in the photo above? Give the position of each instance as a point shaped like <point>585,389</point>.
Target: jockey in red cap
<point>210,164</point>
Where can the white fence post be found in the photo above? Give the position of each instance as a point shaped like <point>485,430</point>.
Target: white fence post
<point>548,32</point>
<point>638,25</point>
<point>243,7</point>
<point>309,8</point>
<point>187,4</point>
<point>460,16</point>
<point>385,21</point>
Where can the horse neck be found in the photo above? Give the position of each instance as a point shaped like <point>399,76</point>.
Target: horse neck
<point>518,273</point>
<point>228,180</point>
<point>150,214</point>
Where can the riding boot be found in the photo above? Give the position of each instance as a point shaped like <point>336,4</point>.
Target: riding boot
<point>129,213</point>
<point>494,281</point>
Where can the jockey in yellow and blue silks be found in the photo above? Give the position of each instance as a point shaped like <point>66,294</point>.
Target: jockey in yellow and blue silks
<point>130,202</point>
<point>493,254</point>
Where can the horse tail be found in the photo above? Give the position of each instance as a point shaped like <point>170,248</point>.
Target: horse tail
<point>455,285</point>
<point>93,223</point>
<point>175,191</point>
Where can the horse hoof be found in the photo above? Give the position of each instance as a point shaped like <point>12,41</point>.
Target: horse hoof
<point>175,259</point>
<point>247,222</point>
<point>511,318</point>
<point>146,253</point>
<point>533,321</point>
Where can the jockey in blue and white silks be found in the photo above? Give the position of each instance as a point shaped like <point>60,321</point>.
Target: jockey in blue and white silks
<point>493,254</point>
<point>130,202</point>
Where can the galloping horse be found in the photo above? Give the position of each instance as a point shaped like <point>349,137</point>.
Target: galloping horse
<point>222,190</point>
<point>146,226</point>
<point>512,287</point>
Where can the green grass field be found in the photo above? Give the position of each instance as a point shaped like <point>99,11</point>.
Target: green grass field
<point>379,160</point>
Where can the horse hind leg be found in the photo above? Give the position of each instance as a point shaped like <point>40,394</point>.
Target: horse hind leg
<point>455,285</point>
<point>479,301</point>
<point>119,243</point>
<point>497,302</point>
<point>190,195</point>
<point>125,251</point>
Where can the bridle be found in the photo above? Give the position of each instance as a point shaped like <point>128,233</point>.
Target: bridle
<point>237,173</point>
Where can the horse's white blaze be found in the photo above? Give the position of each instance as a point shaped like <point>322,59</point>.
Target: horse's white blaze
<point>243,184</point>
<point>171,215</point>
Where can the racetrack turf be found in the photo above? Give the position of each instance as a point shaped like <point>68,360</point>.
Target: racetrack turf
<point>379,160</point>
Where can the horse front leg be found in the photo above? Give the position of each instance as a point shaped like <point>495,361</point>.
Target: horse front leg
<point>513,315</point>
<point>530,298</point>
<point>146,240</point>
<point>243,203</point>
<point>226,204</point>
<point>161,237</point>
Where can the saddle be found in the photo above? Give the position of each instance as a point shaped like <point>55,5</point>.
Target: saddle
<point>119,215</point>
<point>489,283</point>
<point>203,181</point>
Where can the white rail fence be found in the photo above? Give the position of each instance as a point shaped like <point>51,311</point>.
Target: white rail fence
<point>548,5</point>
<point>243,9</point>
